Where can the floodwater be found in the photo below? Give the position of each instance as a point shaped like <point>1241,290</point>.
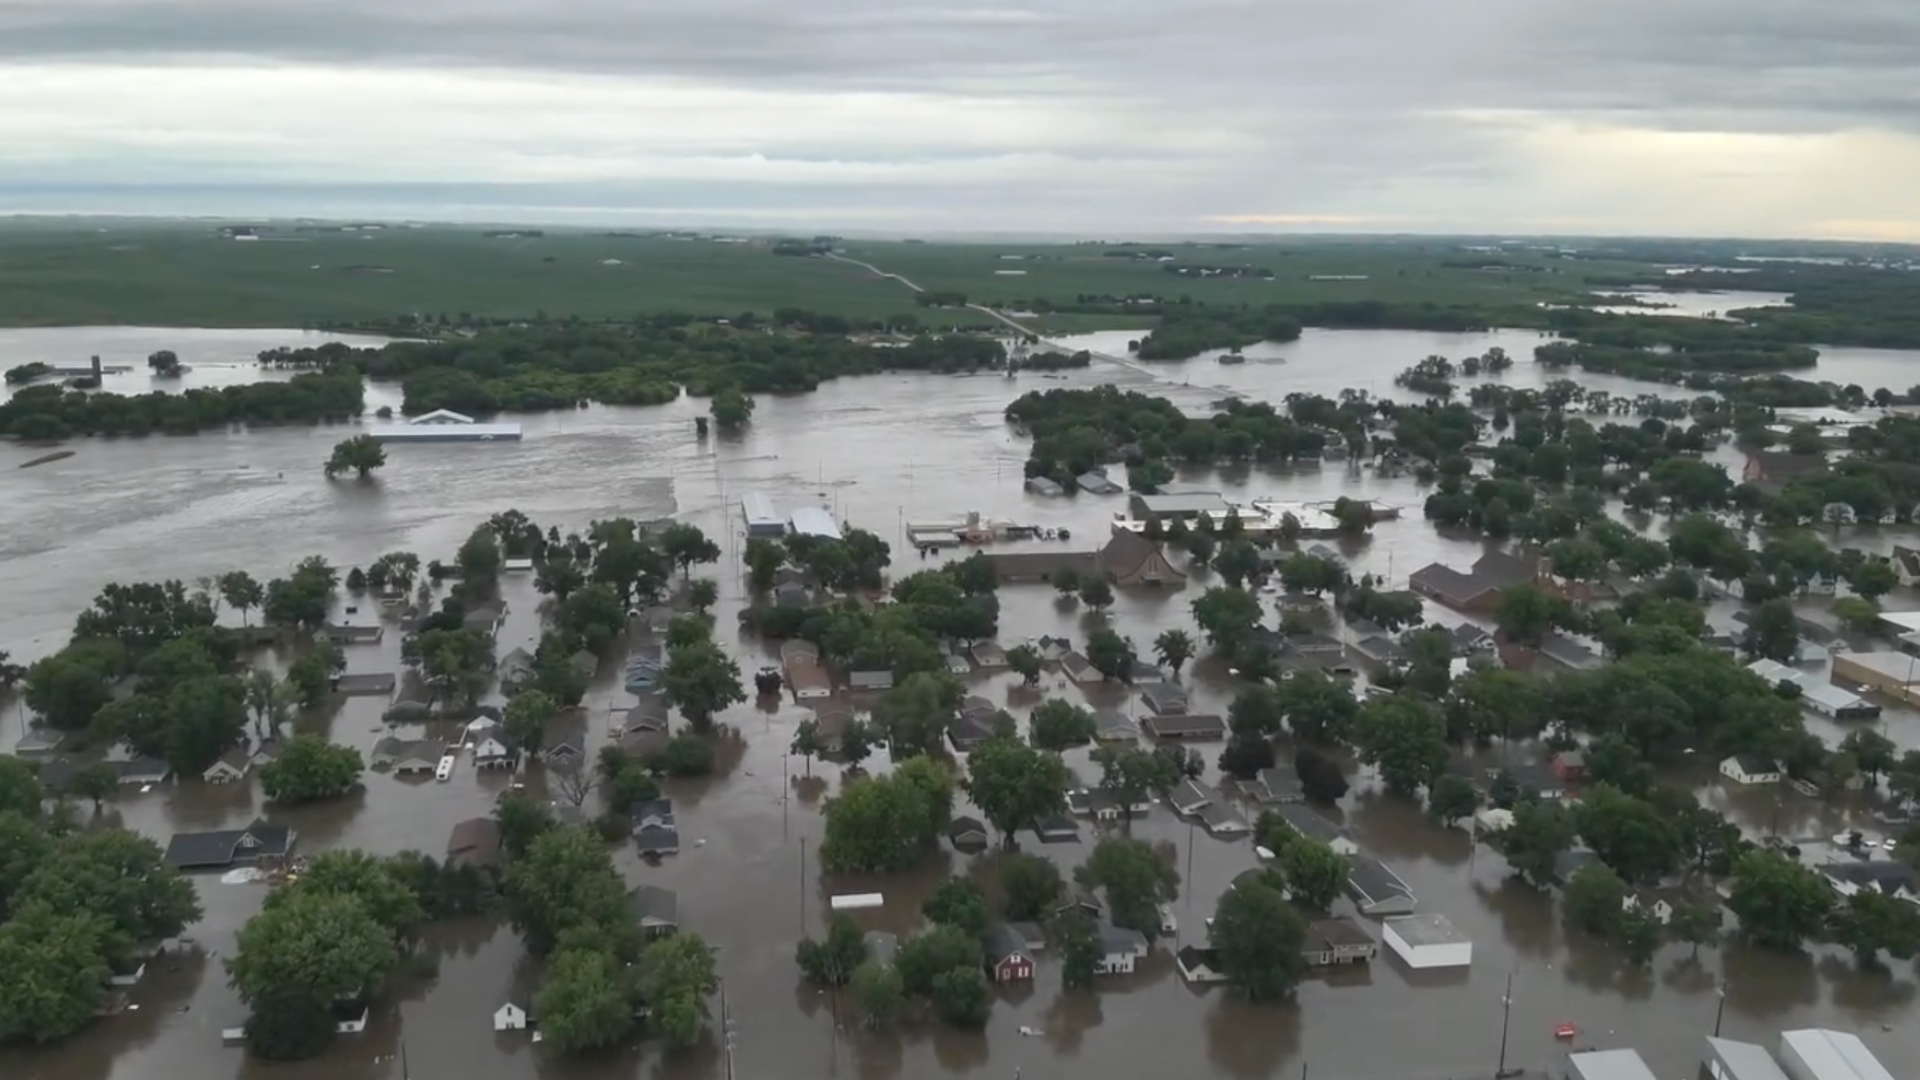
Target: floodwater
<point>882,452</point>
<point>1690,304</point>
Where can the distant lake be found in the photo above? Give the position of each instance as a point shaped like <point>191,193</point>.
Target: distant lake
<point>1699,305</point>
<point>217,357</point>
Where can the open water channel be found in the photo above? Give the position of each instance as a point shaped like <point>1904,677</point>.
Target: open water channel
<point>882,452</point>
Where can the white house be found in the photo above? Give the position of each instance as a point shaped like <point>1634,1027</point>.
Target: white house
<point>350,1016</point>
<point>513,1016</point>
<point>1199,966</point>
<point>1889,878</point>
<point>490,748</point>
<point>1427,941</point>
<point>1906,564</point>
<point>1120,949</point>
<point>1750,769</point>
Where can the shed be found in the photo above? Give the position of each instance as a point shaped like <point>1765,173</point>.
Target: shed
<point>760,517</point>
<point>1823,1054</point>
<point>1427,941</point>
<point>814,521</point>
<point>1727,1059</point>
<point>1607,1065</point>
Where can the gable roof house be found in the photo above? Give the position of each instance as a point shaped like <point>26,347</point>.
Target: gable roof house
<point>1165,699</point>
<point>1279,784</point>
<point>1906,564</point>
<point>408,755</point>
<point>483,619</point>
<point>223,848</point>
<point>972,725</point>
<point>1120,949</point>
<point>140,771</point>
<point>644,664</point>
<point>800,662</point>
<point>1750,769</point>
<point>1376,889</point>
<point>1568,654</point>
<point>649,713</point>
<point>1887,877</point>
<point>656,909</point>
<point>870,680</point>
<point>474,842</point>
<point>1190,796</point>
<point>1314,825</point>
<point>1478,589</point>
<point>565,744</point>
<point>1769,470</point>
<point>515,1015</point>
<point>1006,955</point>
<point>655,829</point>
<point>1380,651</point>
<point>490,750</point>
<point>1199,966</point>
<point>1332,942</point>
<point>515,669</point>
<point>1132,559</point>
<point>1469,639</point>
<point>1223,820</point>
<point>1103,805</point>
<point>1112,725</point>
<point>1078,669</point>
<point>965,832</point>
<point>230,766</point>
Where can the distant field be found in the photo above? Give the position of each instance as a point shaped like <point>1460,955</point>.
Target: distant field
<point>187,275</point>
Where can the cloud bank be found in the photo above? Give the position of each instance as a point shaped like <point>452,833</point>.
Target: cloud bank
<point>1758,117</point>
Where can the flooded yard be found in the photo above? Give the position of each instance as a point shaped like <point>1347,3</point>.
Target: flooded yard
<point>881,453</point>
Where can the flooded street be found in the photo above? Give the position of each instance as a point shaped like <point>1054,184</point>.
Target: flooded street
<point>880,452</point>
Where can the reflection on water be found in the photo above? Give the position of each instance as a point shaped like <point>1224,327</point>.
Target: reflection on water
<point>882,451</point>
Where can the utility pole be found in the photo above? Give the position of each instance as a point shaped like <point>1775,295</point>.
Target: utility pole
<point>726,1027</point>
<point>1720,1012</point>
<point>1506,1017</point>
<point>803,886</point>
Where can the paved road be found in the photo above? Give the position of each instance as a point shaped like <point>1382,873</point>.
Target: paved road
<point>983,309</point>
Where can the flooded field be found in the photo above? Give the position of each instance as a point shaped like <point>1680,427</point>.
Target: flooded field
<point>881,452</point>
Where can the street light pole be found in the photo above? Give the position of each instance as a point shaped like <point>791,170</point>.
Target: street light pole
<point>1720,1012</point>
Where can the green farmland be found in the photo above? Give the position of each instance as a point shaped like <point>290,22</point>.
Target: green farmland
<point>186,274</point>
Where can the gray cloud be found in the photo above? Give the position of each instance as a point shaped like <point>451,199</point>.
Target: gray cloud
<point>1389,109</point>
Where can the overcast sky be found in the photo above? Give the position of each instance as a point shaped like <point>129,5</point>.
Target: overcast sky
<point>1699,117</point>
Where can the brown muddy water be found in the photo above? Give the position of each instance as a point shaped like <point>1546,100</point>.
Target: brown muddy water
<point>882,452</point>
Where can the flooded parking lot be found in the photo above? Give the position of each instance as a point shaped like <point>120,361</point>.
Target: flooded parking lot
<point>881,452</point>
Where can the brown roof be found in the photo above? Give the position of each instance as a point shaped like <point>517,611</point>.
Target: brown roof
<point>1492,572</point>
<point>1184,726</point>
<point>643,743</point>
<point>1040,565</point>
<point>1127,552</point>
<point>808,676</point>
<point>474,842</point>
<point>1779,465</point>
<point>1342,932</point>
